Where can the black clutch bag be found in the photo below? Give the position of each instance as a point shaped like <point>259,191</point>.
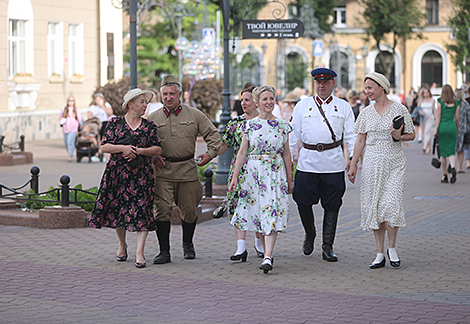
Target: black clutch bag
<point>397,122</point>
<point>139,159</point>
<point>435,162</point>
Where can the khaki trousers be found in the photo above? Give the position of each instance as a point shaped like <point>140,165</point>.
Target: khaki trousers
<point>186,195</point>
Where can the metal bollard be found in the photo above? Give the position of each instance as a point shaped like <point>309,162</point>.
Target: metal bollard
<point>208,173</point>
<point>65,180</point>
<point>1,143</point>
<point>21,144</point>
<point>35,179</point>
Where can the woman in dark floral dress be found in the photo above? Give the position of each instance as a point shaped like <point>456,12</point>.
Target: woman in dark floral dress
<point>125,197</point>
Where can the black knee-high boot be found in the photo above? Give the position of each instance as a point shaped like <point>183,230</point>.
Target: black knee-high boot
<point>330,219</point>
<point>163,236</point>
<point>188,233</point>
<point>306,215</point>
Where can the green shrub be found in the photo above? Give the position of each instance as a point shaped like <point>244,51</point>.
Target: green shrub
<point>81,196</point>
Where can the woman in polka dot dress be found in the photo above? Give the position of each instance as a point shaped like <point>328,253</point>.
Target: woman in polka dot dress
<point>384,167</point>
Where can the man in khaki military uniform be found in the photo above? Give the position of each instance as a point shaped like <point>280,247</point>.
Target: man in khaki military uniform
<point>176,173</point>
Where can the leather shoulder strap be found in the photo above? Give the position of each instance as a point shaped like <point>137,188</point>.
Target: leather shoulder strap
<point>333,136</point>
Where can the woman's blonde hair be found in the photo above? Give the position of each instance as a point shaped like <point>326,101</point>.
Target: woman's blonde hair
<point>259,90</point>
<point>421,95</point>
<point>447,94</point>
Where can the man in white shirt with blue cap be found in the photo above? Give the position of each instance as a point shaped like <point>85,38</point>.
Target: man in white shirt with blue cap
<point>321,123</point>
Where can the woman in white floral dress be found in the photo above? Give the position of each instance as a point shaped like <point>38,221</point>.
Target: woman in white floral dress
<point>263,203</point>
<point>384,166</point>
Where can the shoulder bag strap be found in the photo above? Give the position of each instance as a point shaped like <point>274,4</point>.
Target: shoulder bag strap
<point>333,136</point>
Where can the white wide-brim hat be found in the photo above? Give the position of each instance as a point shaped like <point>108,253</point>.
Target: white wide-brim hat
<point>134,93</point>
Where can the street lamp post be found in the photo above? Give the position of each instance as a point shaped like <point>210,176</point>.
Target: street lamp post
<point>223,164</point>
<point>179,10</point>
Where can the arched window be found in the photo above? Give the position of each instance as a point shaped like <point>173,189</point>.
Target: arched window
<point>381,68</point>
<point>295,71</point>
<point>431,69</point>
<point>340,64</point>
<point>246,71</point>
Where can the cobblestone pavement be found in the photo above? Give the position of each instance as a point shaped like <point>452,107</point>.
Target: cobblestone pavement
<point>70,276</point>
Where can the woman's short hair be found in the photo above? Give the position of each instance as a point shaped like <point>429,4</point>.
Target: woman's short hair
<point>459,94</point>
<point>259,90</point>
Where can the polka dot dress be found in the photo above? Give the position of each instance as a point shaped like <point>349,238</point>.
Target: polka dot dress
<point>383,177</point>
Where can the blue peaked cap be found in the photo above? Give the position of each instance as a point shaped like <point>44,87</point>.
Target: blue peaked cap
<point>323,74</point>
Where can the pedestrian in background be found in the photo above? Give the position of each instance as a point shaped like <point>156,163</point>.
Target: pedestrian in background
<point>70,120</point>
<point>232,137</point>
<point>461,143</point>
<point>263,203</point>
<point>447,123</point>
<point>383,177</point>
<point>154,103</point>
<point>100,109</point>
<point>125,197</point>
<point>428,106</point>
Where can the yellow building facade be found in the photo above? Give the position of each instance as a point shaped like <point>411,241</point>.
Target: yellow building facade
<point>50,50</point>
<point>417,62</point>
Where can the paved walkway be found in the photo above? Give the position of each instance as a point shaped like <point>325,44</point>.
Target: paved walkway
<point>70,276</point>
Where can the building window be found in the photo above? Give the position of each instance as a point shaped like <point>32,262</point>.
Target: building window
<point>388,59</point>
<point>431,69</point>
<point>55,49</point>
<point>76,50</point>
<point>432,12</point>
<point>339,62</point>
<point>17,47</point>
<point>340,15</point>
<point>295,70</point>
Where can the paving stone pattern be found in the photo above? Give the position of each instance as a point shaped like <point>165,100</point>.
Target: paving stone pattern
<point>71,276</point>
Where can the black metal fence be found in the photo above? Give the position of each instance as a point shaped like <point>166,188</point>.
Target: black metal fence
<point>14,146</point>
<point>62,193</point>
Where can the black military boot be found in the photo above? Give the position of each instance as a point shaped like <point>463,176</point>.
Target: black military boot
<point>188,233</point>
<point>330,220</point>
<point>306,215</point>
<point>163,235</point>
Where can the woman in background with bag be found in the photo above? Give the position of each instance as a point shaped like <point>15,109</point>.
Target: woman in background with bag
<point>70,120</point>
<point>384,166</point>
<point>463,135</point>
<point>447,122</point>
<point>125,197</point>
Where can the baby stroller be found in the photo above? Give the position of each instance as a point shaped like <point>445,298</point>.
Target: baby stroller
<point>88,139</point>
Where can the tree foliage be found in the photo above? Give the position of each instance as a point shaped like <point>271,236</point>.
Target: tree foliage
<point>207,95</point>
<point>323,10</point>
<point>114,92</point>
<point>156,53</point>
<point>459,23</point>
<point>402,19</point>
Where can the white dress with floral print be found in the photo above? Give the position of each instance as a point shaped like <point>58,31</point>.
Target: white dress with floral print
<point>263,202</point>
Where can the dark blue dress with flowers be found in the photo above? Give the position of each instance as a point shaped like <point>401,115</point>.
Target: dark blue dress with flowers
<point>125,197</point>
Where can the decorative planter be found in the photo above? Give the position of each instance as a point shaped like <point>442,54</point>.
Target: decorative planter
<point>77,78</point>
<point>55,78</point>
<point>23,79</point>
